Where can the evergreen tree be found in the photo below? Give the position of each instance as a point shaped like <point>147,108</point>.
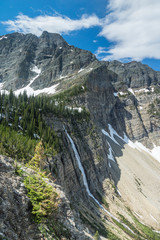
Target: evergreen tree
<point>38,161</point>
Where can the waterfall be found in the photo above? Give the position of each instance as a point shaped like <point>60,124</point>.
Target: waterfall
<point>82,170</point>
<point>86,183</point>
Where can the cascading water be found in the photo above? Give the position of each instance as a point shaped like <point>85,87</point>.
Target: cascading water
<point>81,169</point>
<point>86,183</point>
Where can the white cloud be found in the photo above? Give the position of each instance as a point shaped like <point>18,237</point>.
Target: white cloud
<point>100,52</point>
<point>133,27</point>
<point>56,23</point>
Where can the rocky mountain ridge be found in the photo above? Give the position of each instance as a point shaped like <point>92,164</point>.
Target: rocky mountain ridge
<point>117,139</point>
<point>19,53</point>
<point>57,61</point>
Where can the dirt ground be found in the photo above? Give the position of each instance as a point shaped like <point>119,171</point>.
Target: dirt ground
<point>139,184</point>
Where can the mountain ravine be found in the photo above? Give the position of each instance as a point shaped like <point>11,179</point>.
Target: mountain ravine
<point>102,177</point>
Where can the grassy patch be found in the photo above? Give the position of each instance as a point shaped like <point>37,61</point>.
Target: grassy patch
<point>130,225</point>
<point>99,227</point>
<point>146,232</point>
<point>54,230</point>
<point>120,225</point>
<point>68,94</point>
<point>102,200</point>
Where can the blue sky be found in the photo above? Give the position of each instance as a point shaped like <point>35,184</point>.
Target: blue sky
<point>111,29</point>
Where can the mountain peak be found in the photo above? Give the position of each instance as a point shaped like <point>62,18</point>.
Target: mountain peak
<point>56,38</point>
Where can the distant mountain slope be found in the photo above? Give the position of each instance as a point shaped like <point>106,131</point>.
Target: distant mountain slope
<point>55,60</point>
<point>50,53</point>
<point>100,125</point>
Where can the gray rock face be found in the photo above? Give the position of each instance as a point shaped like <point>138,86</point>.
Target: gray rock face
<point>16,222</point>
<point>133,74</point>
<point>15,218</point>
<point>126,113</point>
<point>50,52</point>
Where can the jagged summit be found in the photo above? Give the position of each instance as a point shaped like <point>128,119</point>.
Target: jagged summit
<point>101,137</point>
<point>56,60</point>
<point>50,53</point>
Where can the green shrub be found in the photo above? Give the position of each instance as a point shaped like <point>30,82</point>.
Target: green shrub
<point>43,198</point>
<point>96,236</point>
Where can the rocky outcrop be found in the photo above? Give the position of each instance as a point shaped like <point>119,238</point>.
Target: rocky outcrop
<point>19,53</point>
<point>133,75</point>
<point>15,206</point>
<point>16,220</point>
<point>115,94</point>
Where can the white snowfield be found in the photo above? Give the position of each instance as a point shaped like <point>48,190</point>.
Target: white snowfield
<point>30,91</point>
<point>139,180</point>
<point>155,152</point>
<point>115,94</point>
<point>141,90</point>
<point>1,90</point>
<point>3,37</point>
<point>48,90</point>
<point>144,90</point>
<point>131,91</point>
<point>36,70</point>
<point>85,69</point>
<point>79,109</point>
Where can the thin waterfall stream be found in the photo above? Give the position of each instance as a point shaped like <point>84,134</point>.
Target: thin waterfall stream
<point>86,183</point>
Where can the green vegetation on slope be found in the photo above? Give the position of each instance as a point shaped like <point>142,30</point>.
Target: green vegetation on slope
<point>44,199</point>
<point>141,231</point>
<point>22,122</point>
<point>154,108</point>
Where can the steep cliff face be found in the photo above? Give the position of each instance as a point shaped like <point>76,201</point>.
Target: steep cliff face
<point>16,220</point>
<point>111,162</point>
<point>50,53</point>
<point>116,138</point>
<point>15,206</point>
<point>137,87</point>
<point>133,74</point>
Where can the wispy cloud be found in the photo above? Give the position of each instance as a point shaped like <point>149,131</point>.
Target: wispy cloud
<point>101,52</point>
<point>56,23</point>
<point>133,27</point>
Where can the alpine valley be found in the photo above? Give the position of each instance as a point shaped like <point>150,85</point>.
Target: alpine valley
<point>79,143</point>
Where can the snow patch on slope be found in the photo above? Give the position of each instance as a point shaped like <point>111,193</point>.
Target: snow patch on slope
<point>1,90</point>
<point>86,183</point>
<point>155,152</point>
<point>115,94</point>
<point>111,136</point>
<point>144,90</point>
<point>49,90</point>
<point>36,70</point>
<point>30,91</point>
<point>131,91</point>
<point>3,37</point>
<point>82,69</point>
<point>79,109</point>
